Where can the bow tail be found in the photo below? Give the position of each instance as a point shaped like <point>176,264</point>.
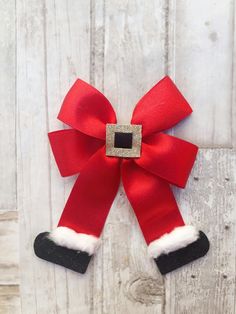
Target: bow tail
<point>152,200</point>
<point>171,243</point>
<point>91,198</point>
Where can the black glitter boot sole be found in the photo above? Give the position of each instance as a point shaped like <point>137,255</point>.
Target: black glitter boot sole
<point>46,249</point>
<point>169,262</point>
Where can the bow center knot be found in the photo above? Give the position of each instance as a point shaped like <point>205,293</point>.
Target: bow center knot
<point>123,140</point>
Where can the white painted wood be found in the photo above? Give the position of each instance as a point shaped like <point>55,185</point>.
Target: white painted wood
<point>53,48</point>
<point>97,41</point>
<point>37,279</point>
<point>9,263</point>
<point>68,32</point>
<point>9,299</point>
<point>200,60</point>
<point>208,202</point>
<point>233,101</point>
<point>131,282</point>
<point>9,248</point>
<point>9,235</point>
<point>135,48</point>
<point>7,106</point>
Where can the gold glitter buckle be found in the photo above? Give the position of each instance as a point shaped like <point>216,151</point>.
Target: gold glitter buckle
<point>123,140</point>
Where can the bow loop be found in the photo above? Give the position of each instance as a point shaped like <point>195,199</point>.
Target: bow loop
<point>168,157</point>
<point>72,149</point>
<point>87,110</point>
<point>160,108</point>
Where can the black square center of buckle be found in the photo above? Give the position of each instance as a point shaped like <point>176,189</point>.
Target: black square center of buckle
<point>123,140</point>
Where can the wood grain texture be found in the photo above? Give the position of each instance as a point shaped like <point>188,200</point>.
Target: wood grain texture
<point>9,257</point>
<point>9,263</point>
<point>68,33</point>
<point>37,290</point>
<point>135,48</point>
<point>233,101</point>
<point>9,235</point>
<point>208,285</point>
<point>7,106</point>
<point>128,280</point>
<point>9,299</point>
<point>201,39</point>
<point>43,77</point>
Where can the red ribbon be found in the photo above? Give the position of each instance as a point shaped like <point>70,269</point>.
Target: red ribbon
<point>164,159</point>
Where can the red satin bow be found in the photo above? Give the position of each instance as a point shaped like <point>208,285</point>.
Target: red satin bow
<point>164,159</point>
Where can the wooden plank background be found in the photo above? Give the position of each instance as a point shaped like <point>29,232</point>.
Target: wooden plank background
<point>123,48</point>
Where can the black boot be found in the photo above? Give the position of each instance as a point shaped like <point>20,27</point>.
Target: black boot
<point>46,249</point>
<point>173,260</point>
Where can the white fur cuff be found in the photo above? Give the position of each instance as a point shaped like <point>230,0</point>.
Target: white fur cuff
<point>67,237</point>
<point>178,238</point>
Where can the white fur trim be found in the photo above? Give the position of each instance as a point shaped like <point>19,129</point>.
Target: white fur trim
<point>170,242</point>
<point>67,237</point>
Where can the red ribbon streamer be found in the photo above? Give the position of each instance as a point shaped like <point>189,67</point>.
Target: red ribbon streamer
<point>164,159</point>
